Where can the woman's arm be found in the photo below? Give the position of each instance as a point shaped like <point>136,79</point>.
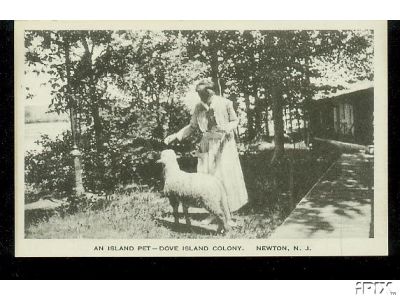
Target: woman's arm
<point>189,129</point>
<point>185,131</point>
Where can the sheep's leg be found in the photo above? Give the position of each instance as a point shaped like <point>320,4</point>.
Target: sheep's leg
<point>223,227</point>
<point>175,205</point>
<point>185,208</point>
<point>220,215</point>
<point>223,224</point>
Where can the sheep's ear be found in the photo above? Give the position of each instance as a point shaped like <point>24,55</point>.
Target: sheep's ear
<point>178,156</point>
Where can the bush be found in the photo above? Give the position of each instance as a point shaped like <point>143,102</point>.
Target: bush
<point>51,170</point>
<point>121,161</point>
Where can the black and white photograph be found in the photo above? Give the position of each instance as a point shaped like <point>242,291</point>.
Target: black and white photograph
<point>197,140</point>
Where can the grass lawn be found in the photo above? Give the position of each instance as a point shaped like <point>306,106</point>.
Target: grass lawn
<point>145,213</point>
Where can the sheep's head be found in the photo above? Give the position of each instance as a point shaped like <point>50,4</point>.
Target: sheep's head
<point>167,156</point>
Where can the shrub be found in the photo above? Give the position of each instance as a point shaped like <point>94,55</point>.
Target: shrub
<point>51,169</point>
<point>121,161</point>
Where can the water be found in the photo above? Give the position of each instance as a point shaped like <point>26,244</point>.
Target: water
<point>33,131</point>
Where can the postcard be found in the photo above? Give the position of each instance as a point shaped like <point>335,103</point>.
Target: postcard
<point>201,138</point>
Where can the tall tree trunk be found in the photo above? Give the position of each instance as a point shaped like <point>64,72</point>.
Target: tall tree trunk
<point>95,107</point>
<point>249,114</point>
<point>306,106</point>
<point>71,101</point>
<point>159,134</point>
<point>306,132</point>
<point>257,115</point>
<point>97,126</point>
<point>214,64</point>
<point>97,123</point>
<point>290,120</point>
<point>266,121</point>
<point>78,188</point>
<point>171,118</point>
<point>215,73</point>
<point>266,112</point>
<point>277,116</point>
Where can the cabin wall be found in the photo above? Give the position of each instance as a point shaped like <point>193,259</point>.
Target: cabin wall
<point>347,118</point>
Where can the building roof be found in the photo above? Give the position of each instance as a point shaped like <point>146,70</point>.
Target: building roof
<point>349,89</point>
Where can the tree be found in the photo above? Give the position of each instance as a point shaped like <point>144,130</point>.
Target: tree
<point>292,60</point>
<point>124,88</point>
<point>212,48</point>
<point>62,41</point>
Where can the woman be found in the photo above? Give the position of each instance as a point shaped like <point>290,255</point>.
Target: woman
<point>215,117</point>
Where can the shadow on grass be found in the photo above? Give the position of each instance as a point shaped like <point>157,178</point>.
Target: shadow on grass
<point>197,216</point>
<point>184,228</point>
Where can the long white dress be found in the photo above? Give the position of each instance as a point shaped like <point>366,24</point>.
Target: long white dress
<point>217,149</point>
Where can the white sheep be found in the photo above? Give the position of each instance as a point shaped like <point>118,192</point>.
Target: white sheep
<point>194,189</point>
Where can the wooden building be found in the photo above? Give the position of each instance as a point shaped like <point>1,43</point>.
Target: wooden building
<point>347,117</point>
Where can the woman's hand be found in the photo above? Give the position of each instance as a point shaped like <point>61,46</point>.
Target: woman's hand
<point>169,139</point>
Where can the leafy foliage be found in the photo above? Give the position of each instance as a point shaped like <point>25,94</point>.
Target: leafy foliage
<point>124,90</point>
<point>52,168</point>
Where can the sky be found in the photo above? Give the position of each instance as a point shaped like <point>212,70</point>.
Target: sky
<point>40,90</point>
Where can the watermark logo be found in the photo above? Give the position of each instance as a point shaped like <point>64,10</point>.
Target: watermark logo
<point>374,288</point>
